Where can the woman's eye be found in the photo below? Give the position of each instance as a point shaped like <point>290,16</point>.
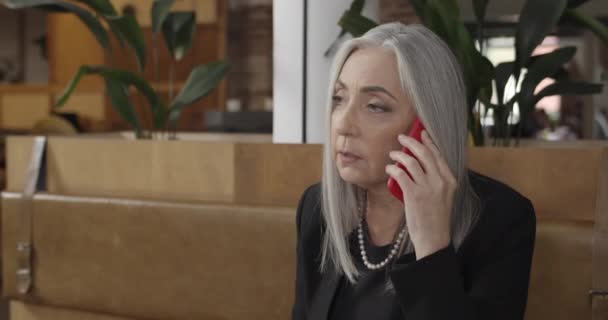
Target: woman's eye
<point>376,108</point>
<point>336,99</point>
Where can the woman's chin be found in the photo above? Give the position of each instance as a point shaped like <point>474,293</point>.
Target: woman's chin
<point>352,175</point>
<point>361,178</point>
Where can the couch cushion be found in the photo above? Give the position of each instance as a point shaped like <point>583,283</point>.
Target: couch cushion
<point>156,260</point>
<point>561,271</point>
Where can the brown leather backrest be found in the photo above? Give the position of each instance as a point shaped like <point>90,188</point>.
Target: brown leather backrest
<point>561,271</point>
<point>154,260</point>
<point>242,262</point>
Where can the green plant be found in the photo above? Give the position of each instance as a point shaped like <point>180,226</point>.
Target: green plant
<point>177,29</point>
<point>536,20</point>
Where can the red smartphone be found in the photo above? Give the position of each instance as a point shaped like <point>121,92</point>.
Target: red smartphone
<point>416,133</point>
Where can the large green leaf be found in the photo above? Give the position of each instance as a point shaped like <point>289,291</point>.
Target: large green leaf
<point>568,87</point>
<point>576,3</point>
<point>450,7</point>
<point>178,31</point>
<point>443,17</point>
<point>536,20</point>
<point>160,10</point>
<point>119,98</point>
<point>419,6</point>
<point>62,6</point>
<point>435,20</point>
<point>597,27</point>
<point>355,23</point>
<point>486,71</point>
<point>201,81</point>
<point>479,7</point>
<point>128,30</point>
<point>503,73</point>
<point>356,6</point>
<point>47,5</point>
<point>126,78</point>
<point>103,7</point>
<point>67,92</point>
<point>543,66</point>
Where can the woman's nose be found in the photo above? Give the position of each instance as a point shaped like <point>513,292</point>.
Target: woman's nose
<point>346,120</point>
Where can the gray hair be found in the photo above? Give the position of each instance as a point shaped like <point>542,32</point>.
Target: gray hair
<point>432,79</point>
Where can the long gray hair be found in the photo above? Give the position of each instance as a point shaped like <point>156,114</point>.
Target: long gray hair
<point>432,79</point>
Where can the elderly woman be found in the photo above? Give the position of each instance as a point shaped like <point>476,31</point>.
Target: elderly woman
<point>460,244</point>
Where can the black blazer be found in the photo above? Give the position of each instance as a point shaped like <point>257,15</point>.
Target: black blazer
<point>487,278</point>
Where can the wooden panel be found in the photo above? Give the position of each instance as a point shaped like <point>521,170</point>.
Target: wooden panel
<point>143,169</point>
<point>18,154</point>
<point>23,311</point>
<point>156,260</point>
<point>207,10</point>
<point>22,110</point>
<point>275,174</point>
<point>561,271</point>
<point>89,105</point>
<point>27,88</point>
<point>70,45</point>
<point>244,173</point>
<point>561,182</point>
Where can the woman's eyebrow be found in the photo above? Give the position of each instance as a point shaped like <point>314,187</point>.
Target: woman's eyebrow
<point>340,83</point>
<point>368,89</point>
<point>377,89</point>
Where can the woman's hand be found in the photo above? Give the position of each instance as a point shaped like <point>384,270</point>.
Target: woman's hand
<point>428,198</point>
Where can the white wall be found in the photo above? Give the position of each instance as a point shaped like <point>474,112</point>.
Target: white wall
<point>288,54</point>
<point>288,47</point>
<point>322,31</point>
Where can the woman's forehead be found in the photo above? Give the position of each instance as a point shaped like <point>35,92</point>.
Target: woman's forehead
<point>375,66</point>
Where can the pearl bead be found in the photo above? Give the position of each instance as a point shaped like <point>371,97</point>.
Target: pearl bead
<point>376,266</point>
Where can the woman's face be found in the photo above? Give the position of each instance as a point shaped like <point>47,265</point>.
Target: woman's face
<point>369,111</point>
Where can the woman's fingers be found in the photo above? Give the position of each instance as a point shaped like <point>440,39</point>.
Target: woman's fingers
<point>442,166</point>
<point>411,164</point>
<point>402,179</point>
<point>426,158</point>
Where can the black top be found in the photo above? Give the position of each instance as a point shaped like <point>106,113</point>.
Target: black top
<point>487,278</point>
<point>368,299</point>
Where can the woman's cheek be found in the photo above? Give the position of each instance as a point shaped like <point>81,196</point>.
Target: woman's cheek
<point>380,157</point>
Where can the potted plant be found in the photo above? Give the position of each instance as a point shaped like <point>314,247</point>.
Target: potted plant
<point>199,162</point>
<point>536,20</point>
<point>177,30</point>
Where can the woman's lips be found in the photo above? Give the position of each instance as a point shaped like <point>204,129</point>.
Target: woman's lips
<point>348,158</point>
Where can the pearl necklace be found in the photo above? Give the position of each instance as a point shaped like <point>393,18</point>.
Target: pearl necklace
<point>391,255</point>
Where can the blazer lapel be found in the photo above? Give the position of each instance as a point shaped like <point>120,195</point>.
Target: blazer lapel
<point>324,296</point>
